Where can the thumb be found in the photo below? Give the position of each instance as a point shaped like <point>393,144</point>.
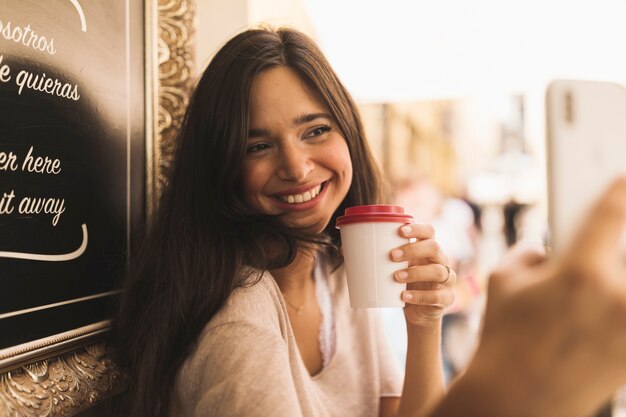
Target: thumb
<point>597,247</point>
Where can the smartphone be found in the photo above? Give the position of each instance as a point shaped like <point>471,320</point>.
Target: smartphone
<point>586,150</point>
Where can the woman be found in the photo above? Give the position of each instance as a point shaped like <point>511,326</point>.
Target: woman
<point>237,303</point>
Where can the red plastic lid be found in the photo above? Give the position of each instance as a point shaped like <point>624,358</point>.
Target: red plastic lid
<point>374,213</point>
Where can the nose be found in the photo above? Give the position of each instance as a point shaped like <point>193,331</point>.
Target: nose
<point>295,163</point>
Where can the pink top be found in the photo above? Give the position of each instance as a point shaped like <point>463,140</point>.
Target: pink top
<point>246,361</point>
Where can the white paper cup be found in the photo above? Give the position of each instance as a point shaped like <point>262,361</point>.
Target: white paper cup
<point>368,234</point>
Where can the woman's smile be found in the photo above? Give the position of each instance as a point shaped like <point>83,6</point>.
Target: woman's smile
<point>297,200</point>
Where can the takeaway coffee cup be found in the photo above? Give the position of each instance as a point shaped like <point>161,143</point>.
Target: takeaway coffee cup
<point>368,234</point>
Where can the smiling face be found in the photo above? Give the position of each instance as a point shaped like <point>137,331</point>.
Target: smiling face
<point>297,162</point>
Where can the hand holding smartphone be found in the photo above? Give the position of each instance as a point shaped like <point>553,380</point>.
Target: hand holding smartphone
<point>586,150</point>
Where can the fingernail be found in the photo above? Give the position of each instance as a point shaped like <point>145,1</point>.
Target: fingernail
<point>406,229</point>
<point>402,275</point>
<point>407,296</point>
<point>396,253</point>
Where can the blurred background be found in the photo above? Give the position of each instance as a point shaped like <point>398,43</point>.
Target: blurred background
<point>452,97</point>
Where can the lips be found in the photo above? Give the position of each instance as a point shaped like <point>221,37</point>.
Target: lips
<point>300,198</point>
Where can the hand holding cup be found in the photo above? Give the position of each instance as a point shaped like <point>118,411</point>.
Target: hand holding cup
<point>391,261</point>
<point>430,281</point>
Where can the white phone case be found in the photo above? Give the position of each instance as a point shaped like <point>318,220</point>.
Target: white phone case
<point>586,149</point>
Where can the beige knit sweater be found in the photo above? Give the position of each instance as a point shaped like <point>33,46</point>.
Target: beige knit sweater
<point>246,362</point>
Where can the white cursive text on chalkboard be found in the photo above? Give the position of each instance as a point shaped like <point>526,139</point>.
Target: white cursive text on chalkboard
<point>39,82</point>
<point>5,71</point>
<point>30,206</point>
<point>27,37</point>
<point>38,205</point>
<point>6,203</point>
<point>45,84</point>
<point>40,164</point>
<point>8,161</point>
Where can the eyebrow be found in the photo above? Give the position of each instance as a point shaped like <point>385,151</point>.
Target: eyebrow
<point>309,117</point>
<point>298,120</point>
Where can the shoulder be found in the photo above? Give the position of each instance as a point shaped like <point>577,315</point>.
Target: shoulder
<point>243,343</point>
<point>221,376</point>
<point>257,285</point>
<point>231,346</point>
<point>257,303</point>
<point>252,312</point>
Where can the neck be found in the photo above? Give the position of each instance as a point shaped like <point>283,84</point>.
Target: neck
<point>297,277</point>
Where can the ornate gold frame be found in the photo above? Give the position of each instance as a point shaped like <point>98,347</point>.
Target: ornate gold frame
<point>71,372</point>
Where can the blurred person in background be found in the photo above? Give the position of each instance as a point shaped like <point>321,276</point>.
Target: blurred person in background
<point>513,213</point>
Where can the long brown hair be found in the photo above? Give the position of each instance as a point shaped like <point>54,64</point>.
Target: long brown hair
<point>203,235</point>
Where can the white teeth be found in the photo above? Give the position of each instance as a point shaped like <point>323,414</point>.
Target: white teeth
<point>304,197</point>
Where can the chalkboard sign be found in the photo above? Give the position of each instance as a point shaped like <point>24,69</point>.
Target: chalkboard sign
<point>72,160</point>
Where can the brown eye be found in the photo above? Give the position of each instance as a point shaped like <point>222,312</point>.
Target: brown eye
<point>317,131</point>
<point>257,147</point>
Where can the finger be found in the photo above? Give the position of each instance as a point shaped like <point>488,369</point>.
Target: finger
<point>420,252</point>
<point>436,273</point>
<point>601,231</point>
<point>448,283</point>
<point>417,231</point>
<point>435,298</point>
